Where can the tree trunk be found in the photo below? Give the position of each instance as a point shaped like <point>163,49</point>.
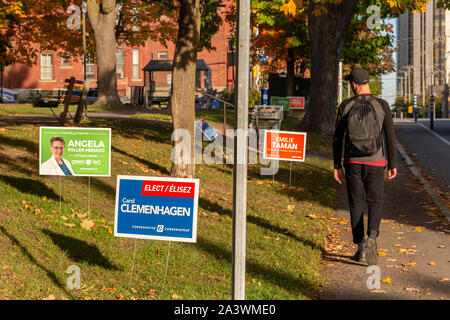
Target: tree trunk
<point>82,103</point>
<point>102,17</point>
<point>290,73</point>
<point>182,102</point>
<point>327,35</point>
<point>67,99</point>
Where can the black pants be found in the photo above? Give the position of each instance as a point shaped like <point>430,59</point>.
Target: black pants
<point>365,183</point>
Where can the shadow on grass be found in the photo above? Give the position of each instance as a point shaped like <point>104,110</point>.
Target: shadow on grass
<point>268,272</point>
<point>78,250</point>
<point>16,142</point>
<point>33,260</point>
<point>147,163</point>
<point>316,183</point>
<point>136,128</point>
<point>13,165</point>
<point>30,186</point>
<point>104,187</point>
<point>261,222</point>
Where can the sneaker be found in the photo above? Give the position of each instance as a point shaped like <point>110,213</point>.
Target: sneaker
<point>360,256</point>
<point>371,251</point>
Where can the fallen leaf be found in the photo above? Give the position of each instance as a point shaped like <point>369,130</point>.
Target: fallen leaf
<point>444,279</point>
<point>70,225</point>
<point>386,280</point>
<point>50,297</point>
<point>441,247</point>
<point>412,289</point>
<point>381,253</point>
<point>418,229</point>
<point>87,224</point>
<point>409,264</point>
<point>377,291</point>
<point>432,263</point>
<point>175,296</point>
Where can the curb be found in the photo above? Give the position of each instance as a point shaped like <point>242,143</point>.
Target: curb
<point>434,196</point>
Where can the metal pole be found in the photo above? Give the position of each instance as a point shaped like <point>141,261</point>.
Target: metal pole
<point>340,83</point>
<point>1,84</point>
<point>84,50</point>
<point>431,112</point>
<point>84,40</point>
<point>415,107</point>
<point>240,151</point>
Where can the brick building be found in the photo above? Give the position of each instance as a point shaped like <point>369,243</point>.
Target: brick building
<point>52,68</point>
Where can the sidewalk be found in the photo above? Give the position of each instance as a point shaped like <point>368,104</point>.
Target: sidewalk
<point>413,246</point>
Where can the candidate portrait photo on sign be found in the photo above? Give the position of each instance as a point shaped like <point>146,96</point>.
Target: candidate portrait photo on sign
<point>56,165</point>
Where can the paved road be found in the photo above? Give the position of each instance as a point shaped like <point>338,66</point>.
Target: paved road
<point>441,126</point>
<point>430,152</point>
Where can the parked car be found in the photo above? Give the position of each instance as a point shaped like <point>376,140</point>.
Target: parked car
<point>76,95</point>
<point>10,96</point>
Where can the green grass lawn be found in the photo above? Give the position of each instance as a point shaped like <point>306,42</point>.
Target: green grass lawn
<point>39,241</point>
<point>27,109</point>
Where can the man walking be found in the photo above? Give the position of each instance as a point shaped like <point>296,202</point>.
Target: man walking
<point>364,140</point>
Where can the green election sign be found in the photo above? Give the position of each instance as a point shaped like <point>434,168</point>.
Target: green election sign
<point>280,101</point>
<point>75,151</point>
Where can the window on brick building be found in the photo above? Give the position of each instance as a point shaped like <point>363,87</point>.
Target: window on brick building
<point>120,64</point>
<point>65,59</point>
<point>135,64</point>
<point>90,67</point>
<point>162,55</point>
<point>46,66</point>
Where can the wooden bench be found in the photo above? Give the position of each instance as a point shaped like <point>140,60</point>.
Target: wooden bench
<point>48,99</point>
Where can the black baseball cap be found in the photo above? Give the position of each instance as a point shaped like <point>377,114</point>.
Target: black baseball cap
<point>358,76</point>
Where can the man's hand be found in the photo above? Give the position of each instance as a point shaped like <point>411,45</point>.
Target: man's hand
<point>339,175</point>
<point>392,173</point>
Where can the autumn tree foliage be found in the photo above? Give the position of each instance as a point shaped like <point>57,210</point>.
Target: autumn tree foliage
<point>328,23</point>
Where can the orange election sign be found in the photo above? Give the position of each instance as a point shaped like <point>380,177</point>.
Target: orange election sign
<point>284,145</point>
<point>296,103</point>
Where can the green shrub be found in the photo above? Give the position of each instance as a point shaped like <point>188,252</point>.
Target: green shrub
<point>254,97</point>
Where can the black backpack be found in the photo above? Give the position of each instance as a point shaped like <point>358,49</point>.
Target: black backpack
<point>364,127</point>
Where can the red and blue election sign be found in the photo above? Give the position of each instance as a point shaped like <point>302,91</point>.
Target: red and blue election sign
<point>156,208</point>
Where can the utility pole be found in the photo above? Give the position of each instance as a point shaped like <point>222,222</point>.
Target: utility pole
<point>340,83</point>
<point>83,9</point>
<point>2,67</point>
<point>241,151</point>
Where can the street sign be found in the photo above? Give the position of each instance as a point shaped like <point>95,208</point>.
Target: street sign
<point>156,208</point>
<point>296,103</point>
<point>284,145</point>
<point>75,151</point>
<point>410,109</point>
